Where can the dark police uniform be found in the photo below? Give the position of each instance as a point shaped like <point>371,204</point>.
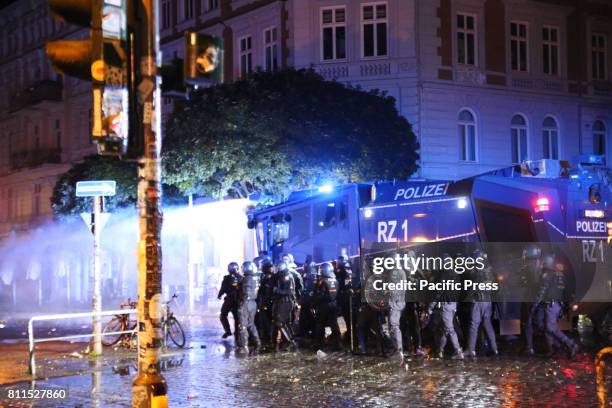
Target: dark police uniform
<point>307,319</point>
<point>368,318</point>
<point>283,304</point>
<point>482,312</point>
<point>326,314</point>
<point>344,277</point>
<point>553,290</point>
<point>264,301</point>
<point>229,288</point>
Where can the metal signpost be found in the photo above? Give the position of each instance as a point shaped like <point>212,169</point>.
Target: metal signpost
<point>95,221</point>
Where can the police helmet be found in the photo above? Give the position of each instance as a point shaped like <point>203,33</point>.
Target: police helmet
<point>257,261</point>
<point>342,259</point>
<point>326,270</point>
<point>249,268</point>
<point>233,267</point>
<point>532,252</point>
<point>266,264</point>
<point>282,266</point>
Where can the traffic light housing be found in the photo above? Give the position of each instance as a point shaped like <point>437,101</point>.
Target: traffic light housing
<point>203,59</point>
<point>104,59</point>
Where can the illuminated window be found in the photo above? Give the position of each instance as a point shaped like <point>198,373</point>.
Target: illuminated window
<point>467,136</point>
<point>518,138</point>
<point>550,138</point>
<point>333,33</point>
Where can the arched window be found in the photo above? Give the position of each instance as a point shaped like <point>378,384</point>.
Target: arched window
<point>550,138</point>
<point>518,138</point>
<point>467,135</point>
<point>599,137</point>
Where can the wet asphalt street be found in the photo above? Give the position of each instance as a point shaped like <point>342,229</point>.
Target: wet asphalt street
<point>215,377</point>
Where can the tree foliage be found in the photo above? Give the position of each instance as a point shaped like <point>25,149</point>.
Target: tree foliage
<point>282,131</point>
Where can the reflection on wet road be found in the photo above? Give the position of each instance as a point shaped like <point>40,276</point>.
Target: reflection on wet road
<point>214,376</point>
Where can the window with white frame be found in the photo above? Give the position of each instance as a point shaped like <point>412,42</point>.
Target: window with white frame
<point>212,5</point>
<point>550,138</point>
<point>466,39</point>
<point>599,137</point>
<point>271,49</point>
<point>246,56</point>
<point>519,46</point>
<point>467,135</point>
<point>598,56</point>
<point>550,50</point>
<point>518,138</point>
<point>374,30</point>
<point>333,33</point>
<point>187,9</point>
<point>166,14</point>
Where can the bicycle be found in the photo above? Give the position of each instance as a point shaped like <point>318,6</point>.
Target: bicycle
<point>171,326</point>
<point>120,323</point>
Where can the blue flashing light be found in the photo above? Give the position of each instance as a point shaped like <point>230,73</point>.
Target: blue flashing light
<point>326,188</point>
<point>462,203</point>
<point>368,213</point>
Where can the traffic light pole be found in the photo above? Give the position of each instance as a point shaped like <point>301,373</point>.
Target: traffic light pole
<point>149,388</point>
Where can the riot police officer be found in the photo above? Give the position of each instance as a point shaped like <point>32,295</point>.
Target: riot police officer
<point>283,305</point>
<point>530,275</point>
<point>369,318</point>
<point>344,277</point>
<point>298,285</point>
<point>229,288</point>
<point>397,303</point>
<point>482,308</point>
<point>443,312</point>
<point>410,317</point>
<point>264,300</point>
<point>324,300</point>
<point>247,307</point>
<point>552,292</point>
<point>297,278</point>
<point>307,322</point>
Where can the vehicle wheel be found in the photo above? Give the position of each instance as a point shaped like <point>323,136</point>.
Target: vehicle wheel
<point>116,324</point>
<point>175,332</point>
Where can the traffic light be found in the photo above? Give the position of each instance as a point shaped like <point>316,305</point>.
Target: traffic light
<point>203,59</point>
<point>104,59</point>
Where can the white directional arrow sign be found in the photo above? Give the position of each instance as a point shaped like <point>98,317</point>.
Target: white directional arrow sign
<point>100,188</point>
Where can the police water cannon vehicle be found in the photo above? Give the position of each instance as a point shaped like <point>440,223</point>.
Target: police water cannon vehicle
<point>566,209</point>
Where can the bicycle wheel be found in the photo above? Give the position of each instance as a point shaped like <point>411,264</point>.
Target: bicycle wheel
<point>116,324</point>
<point>175,332</point>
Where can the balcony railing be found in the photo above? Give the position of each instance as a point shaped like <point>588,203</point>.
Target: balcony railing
<point>41,91</point>
<point>33,158</point>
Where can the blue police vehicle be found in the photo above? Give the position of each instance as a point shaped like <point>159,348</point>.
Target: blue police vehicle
<point>565,208</point>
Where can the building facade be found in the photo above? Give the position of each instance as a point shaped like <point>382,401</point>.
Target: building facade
<point>485,83</point>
